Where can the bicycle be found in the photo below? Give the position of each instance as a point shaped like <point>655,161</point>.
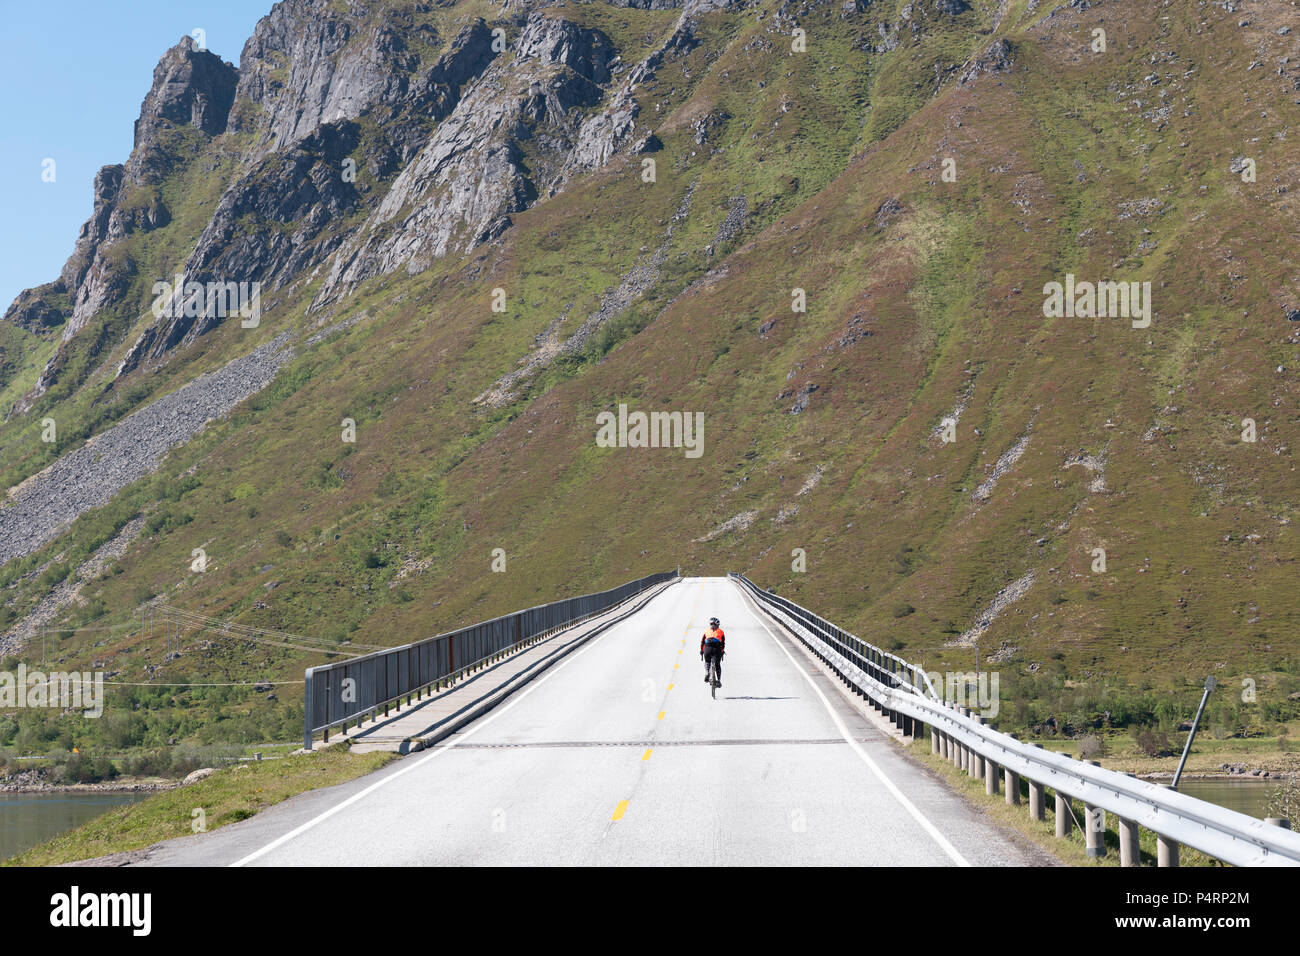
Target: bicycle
<point>714,681</point>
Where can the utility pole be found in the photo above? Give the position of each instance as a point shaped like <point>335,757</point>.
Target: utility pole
<point>1210,684</point>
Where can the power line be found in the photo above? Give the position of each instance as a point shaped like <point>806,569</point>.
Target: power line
<point>258,635</point>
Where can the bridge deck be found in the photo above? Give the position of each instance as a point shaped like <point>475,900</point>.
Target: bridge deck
<point>618,755</point>
<point>433,717</point>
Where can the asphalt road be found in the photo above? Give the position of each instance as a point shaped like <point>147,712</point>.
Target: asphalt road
<point>618,755</point>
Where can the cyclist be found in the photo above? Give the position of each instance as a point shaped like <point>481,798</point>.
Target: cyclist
<point>713,645</point>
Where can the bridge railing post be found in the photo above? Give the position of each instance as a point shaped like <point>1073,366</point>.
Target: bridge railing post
<point>894,717</point>
<point>307,711</point>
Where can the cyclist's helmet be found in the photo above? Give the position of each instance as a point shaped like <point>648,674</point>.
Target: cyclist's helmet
<point>713,622</point>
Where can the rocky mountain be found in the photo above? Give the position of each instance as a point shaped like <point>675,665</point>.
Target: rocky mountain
<point>832,228</point>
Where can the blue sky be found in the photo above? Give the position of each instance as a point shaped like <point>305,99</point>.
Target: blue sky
<point>72,76</point>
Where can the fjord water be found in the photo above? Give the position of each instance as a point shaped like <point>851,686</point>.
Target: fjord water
<point>27,819</point>
<point>1249,795</point>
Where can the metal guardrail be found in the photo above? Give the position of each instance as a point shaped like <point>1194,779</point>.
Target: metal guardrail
<point>1175,818</point>
<point>883,666</point>
<point>347,691</point>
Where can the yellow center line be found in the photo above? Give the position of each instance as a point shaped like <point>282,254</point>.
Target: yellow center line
<point>621,808</point>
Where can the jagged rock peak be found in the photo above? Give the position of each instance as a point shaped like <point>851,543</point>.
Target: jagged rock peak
<point>190,87</point>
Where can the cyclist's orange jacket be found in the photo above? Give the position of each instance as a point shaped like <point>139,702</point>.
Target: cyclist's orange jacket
<point>716,635</point>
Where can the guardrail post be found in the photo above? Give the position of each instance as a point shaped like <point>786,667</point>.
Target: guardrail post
<point>976,765</point>
<point>1166,851</point>
<point>1094,827</point>
<point>1037,809</point>
<point>1282,822</point>
<point>1094,832</point>
<point>1064,815</point>
<point>934,741</point>
<point>964,763</point>
<point>1129,853</point>
<point>990,777</point>
<point>1011,782</point>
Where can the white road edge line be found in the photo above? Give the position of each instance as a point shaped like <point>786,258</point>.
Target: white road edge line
<point>907,804</point>
<point>437,751</point>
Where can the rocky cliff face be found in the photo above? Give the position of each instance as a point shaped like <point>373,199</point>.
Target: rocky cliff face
<point>309,62</point>
<point>365,142</point>
<point>472,173</point>
<point>560,105</point>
